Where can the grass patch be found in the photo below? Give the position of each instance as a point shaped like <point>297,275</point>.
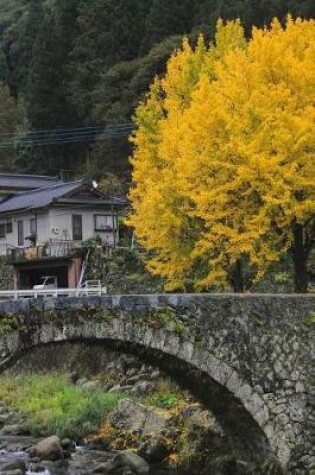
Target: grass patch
<point>164,400</point>
<point>51,405</point>
<point>167,395</point>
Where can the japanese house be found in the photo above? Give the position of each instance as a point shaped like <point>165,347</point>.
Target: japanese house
<point>42,230</point>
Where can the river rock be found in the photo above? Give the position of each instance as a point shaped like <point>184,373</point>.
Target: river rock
<point>14,466</point>
<point>73,377</point>
<point>124,463</point>
<point>9,418</point>
<point>96,384</point>
<point>143,387</point>
<point>16,471</point>
<point>85,461</point>
<point>154,450</point>
<point>68,444</point>
<point>14,429</point>
<point>17,443</point>
<point>47,449</point>
<point>135,417</point>
<point>196,419</point>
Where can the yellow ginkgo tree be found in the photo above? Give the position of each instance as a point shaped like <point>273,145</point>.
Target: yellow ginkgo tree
<point>224,162</point>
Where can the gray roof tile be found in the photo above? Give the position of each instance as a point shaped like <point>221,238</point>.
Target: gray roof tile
<point>26,182</point>
<point>46,196</point>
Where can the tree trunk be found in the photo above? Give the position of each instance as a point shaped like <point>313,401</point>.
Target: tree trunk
<point>237,278</point>
<point>299,259</point>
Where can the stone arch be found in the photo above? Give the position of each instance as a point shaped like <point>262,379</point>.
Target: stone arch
<point>251,352</point>
<point>221,389</point>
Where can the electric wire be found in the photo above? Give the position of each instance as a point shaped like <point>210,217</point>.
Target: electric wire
<point>62,136</point>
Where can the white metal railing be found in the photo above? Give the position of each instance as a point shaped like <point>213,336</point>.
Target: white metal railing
<point>86,289</point>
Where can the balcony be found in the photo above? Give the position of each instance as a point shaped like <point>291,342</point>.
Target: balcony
<point>47,251</point>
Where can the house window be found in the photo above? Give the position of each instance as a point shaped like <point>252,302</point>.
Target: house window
<point>33,226</point>
<point>103,222</point>
<point>20,226</point>
<point>2,230</point>
<point>9,226</point>
<point>77,227</point>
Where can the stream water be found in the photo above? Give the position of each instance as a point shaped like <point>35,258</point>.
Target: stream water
<point>83,462</point>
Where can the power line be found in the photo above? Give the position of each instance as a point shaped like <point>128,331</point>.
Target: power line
<point>59,136</point>
<point>58,130</point>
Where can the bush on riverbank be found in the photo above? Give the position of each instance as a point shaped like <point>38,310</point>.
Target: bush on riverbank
<point>52,405</point>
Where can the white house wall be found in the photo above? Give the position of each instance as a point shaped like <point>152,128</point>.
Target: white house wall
<point>61,223</point>
<point>43,227</point>
<point>11,239</point>
<point>56,224</point>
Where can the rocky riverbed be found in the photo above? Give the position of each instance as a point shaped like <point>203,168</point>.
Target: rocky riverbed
<point>23,454</point>
<point>149,433</point>
<point>154,428</point>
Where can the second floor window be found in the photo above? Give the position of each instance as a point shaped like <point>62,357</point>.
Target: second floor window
<point>103,222</point>
<point>77,227</point>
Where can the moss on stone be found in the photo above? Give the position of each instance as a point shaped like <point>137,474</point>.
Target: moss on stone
<point>11,322</point>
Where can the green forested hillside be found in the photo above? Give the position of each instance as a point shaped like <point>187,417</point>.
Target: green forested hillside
<point>71,63</point>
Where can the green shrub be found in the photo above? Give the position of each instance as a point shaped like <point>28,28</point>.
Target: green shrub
<point>51,405</point>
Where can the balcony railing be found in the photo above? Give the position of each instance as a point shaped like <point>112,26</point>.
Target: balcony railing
<point>49,250</point>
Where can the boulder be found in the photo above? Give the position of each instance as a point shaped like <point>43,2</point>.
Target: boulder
<point>115,389</point>
<point>17,465</point>
<point>96,384</point>
<point>135,379</point>
<point>155,374</point>
<point>135,417</point>
<point>196,419</point>
<point>73,377</point>
<point>68,444</point>
<point>14,429</point>
<point>124,463</point>
<point>154,450</point>
<point>47,449</point>
<point>120,389</point>
<point>16,471</point>
<point>143,387</point>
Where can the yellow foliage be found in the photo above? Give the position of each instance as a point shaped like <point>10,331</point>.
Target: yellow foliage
<point>224,153</point>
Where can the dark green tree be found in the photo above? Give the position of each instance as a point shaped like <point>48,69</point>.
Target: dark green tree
<point>29,27</point>
<point>110,31</point>
<point>48,104</point>
<point>11,120</point>
<point>167,18</point>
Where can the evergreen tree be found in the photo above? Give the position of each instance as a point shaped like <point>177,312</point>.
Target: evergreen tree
<point>48,104</point>
<point>110,31</point>
<point>11,118</point>
<point>167,18</point>
<point>4,70</point>
<point>28,32</point>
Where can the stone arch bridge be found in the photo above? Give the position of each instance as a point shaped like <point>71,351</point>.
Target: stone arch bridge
<point>248,357</point>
